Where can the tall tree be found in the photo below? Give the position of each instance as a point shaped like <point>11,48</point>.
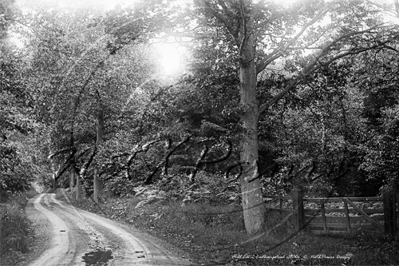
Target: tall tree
<point>308,34</point>
<point>82,78</point>
<point>16,168</point>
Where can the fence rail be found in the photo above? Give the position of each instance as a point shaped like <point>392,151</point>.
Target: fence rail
<point>339,214</point>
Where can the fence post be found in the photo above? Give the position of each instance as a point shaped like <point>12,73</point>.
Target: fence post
<point>348,219</point>
<point>297,200</point>
<point>390,216</point>
<point>323,216</point>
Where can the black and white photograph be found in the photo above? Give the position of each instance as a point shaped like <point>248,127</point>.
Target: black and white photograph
<point>199,132</point>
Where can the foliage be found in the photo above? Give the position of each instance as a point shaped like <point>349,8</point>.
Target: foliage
<point>13,217</point>
<point>15,230</point>
<point>119,187</point>
<point>325,97</point>
<point>7,11</point>
<point>323,87</point>
<point>82,81</point>
<point>317,131</point>
<point>216,235</point>
<point>381,161</point>
<point>16,103</point>
<point>15,175</point>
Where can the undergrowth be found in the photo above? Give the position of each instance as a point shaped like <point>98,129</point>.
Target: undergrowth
<point>16,229</point>
<point>214,234</point>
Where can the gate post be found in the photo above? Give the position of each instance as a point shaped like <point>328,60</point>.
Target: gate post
<point>390,216</point>
<point>297,200</point>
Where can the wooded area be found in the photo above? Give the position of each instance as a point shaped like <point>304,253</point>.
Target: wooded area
<point>274,97</point>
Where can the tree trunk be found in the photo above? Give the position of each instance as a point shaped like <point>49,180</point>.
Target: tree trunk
<point>100,132</point>
<point>72,181</point>
<point>96,185</point>
<point>53,176</point>
<point>252,199</point>
<point>54,182</point>
<point>78,187</point>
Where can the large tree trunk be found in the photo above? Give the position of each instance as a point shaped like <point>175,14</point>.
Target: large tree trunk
<point>252,199</point>
<point>100,133</point>
<point>226,13</point>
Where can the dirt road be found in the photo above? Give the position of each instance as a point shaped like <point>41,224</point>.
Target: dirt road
<point>78,237</point>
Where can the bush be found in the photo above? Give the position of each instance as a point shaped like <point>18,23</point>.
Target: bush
<point>15,229</point>
<point>15,175</point>
<point>119,187</point>
<point>207,188</point>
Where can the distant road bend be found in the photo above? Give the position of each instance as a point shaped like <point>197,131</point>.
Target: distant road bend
<point>79,237</point>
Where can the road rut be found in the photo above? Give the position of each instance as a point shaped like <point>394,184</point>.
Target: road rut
<point>83,238</point>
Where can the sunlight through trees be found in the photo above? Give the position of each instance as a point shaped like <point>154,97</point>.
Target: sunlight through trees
<point>263,97</point>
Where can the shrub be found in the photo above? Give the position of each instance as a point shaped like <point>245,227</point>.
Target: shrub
<point>15,175</point>
<point>119,187</point>
<point>15,229</point>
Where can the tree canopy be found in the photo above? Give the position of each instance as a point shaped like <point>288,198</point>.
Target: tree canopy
<point>275,97</point>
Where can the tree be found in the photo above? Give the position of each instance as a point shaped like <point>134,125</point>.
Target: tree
<point>263,33</point>
<point>319,132</point>
<point>378,82</point>
<point>7,11</point>
<point>16,123</point>
<point>81,80</point>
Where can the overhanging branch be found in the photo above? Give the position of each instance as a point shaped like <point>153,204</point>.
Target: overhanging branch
<point>222,19</point>
<point>278,52</point>
<point>316,63</point>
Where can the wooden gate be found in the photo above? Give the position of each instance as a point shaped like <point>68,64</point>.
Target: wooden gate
<point>340,215</point>
<point>337,215</point>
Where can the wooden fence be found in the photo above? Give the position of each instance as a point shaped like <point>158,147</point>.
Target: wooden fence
<point>340,214</point>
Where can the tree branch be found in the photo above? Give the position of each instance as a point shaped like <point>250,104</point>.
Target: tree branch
<point>59,152</point>
<point>278,51</point>
<point>207,5</point>
<point>86,165</point>
<point>198,163</point>
<point>315,63</point>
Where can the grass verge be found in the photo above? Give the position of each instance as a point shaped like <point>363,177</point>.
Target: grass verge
<point>15,229</point>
